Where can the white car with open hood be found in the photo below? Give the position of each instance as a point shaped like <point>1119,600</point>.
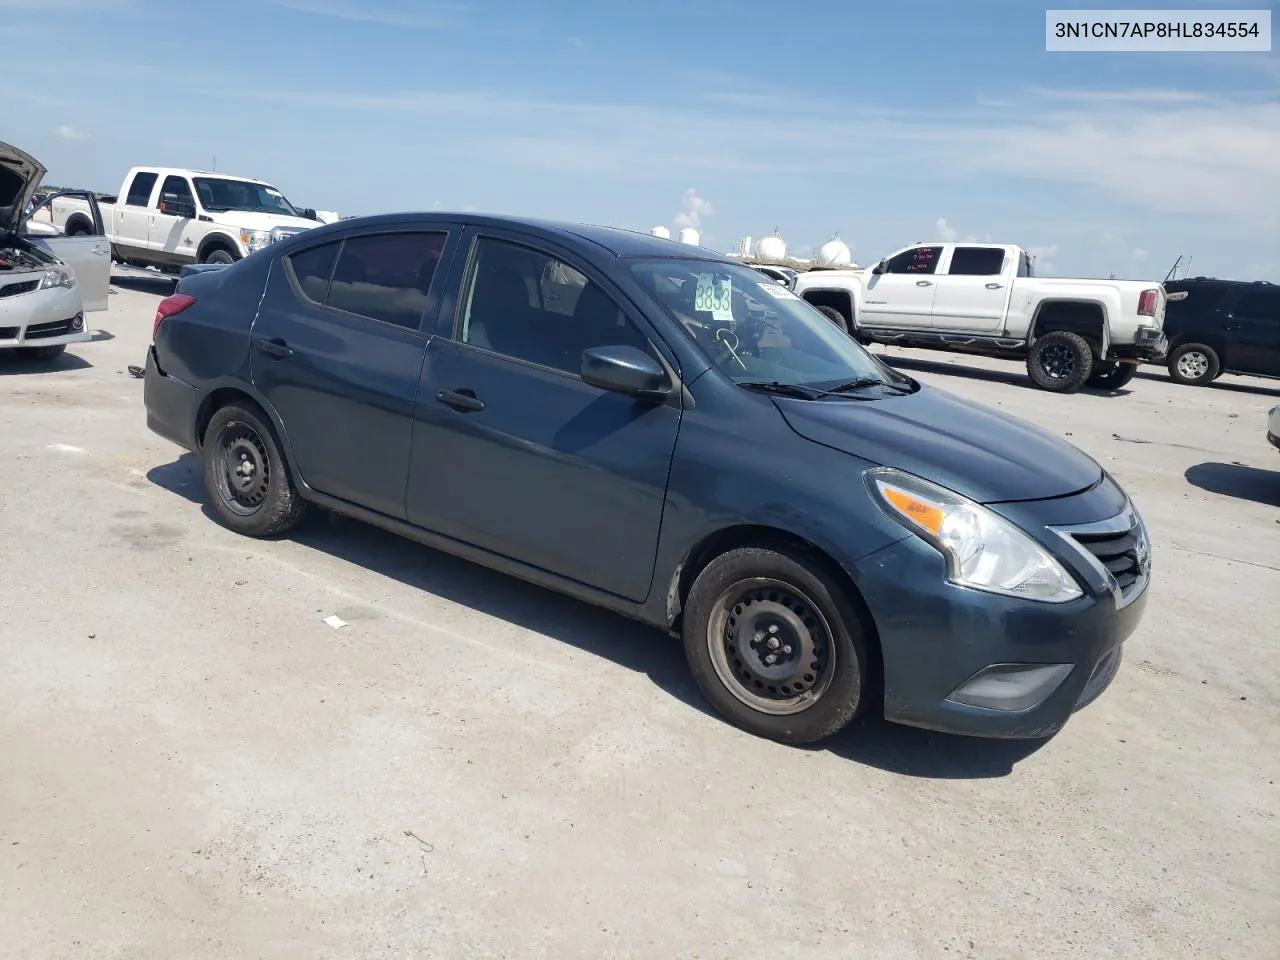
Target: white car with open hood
<point>48,281</point>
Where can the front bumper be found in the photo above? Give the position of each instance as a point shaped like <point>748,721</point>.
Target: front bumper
<point>964,661</point>
<point>43,318</point>
<point>1275,440</point>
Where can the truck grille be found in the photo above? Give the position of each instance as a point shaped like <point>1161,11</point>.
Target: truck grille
<point>13,289</point>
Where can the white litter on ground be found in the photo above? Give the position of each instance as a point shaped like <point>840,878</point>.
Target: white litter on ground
<point>335,621</point>
<point>65,448</point>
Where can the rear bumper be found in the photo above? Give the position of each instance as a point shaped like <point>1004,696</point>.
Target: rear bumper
<point>1149,344</point>
<point>172,406</point>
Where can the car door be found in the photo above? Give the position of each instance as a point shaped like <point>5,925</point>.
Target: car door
<point>132,213</point>
<point>169,228</point>
<point>972,291</point>
<point>88,255</point>
<point>512,450</point>
<point>1253,331</point>
<point>902,296</point>
<point>337,351</point>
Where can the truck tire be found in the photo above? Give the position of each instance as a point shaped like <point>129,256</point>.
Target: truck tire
<point>78,227</point>
<point>1194,364</point>
<point>1111,375</point>
<point>218,255</point>
<point>836,317</point>
<point>1060,362</point>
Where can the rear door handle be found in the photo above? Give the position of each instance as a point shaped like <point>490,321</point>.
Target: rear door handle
<point>924,283</point>
<point>275,347</point>
<point>463,399</point>
<point>994,286</point>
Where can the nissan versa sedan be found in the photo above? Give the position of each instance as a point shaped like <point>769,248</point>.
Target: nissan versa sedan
<point>659,430</point>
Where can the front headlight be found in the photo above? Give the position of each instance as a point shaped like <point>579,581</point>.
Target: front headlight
<point>983,550</point>
<point>255,240</point>
<point>57,277</point>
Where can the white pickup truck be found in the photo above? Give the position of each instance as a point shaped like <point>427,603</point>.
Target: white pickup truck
<point>167,218</point>
<point>984,298</point>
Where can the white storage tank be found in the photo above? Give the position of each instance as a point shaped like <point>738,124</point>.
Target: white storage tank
<point>834,253</point>
<point>690,236</point>
<point>662,232</point>
<point>772,248</point>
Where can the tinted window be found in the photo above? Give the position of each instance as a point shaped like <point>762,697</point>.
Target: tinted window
<point>1259,305</point>
<point>386,276</point>
<point>312,269</point>
<point>916,260</point>
<point>140,189</point>
<point>534,307</point>
<point>976,262</point>
<point>178,187</point>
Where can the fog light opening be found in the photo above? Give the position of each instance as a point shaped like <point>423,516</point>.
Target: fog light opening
<point>1011,686</point>
<point>77,322</point>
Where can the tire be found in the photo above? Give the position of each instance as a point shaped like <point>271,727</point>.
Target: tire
<point>836,317</point>
<point>794,603</point>
<point>1111,375</point>
<point>263,502</point>
<point>218,255</point>
<point>77,229</point>
<point>1060,361</point>
<point>1194,365</point>
<point>30,354</point>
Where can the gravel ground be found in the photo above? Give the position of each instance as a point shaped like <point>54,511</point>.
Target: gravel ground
<point>195,765</point>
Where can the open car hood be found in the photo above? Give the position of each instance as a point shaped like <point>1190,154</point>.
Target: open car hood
<point>20,175</point>
<point>974,450</point>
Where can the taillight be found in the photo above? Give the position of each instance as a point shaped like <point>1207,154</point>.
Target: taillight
<point>168,307</point>
<point>1147,301</point>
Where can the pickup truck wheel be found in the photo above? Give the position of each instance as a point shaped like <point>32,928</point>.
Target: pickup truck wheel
<point>218,255</point>
<point>1060,361</point>
<point>1194,364</point>
<point>30,354</point>
<point>836,317</point>
<point>246,476</point>
<point>1111,375</point>
<point>775,645</point>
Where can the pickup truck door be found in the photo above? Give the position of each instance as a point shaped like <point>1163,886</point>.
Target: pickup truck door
<point>902,296</point>
<point>513,451</point>
<point>168,230</point>
<point>131,213</point>
<point>973,290</point>
<point>88,256</point>
<point>1253,331</point>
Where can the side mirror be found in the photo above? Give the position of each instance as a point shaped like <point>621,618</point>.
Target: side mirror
<point>309,213</point>
<point>881,267</point>
<point>624,369</point>
<point>176,206</point>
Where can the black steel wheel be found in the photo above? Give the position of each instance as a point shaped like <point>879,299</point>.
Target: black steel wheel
<point>246,476</point>
<point>1111,375</point>
<point>1060,362</point>
<point>775,645</point>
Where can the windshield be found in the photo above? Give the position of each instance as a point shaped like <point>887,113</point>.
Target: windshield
<point>218,195</point>
<point>755,330</point>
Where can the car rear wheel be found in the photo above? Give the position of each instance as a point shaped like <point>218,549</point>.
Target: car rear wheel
<point>775,645</point>
<point>1111,375</point>
<point>245,475</point>
<point>46,353</point>
<point>1060,361</point>
<point>1194,364</point>
<point>836,317</point>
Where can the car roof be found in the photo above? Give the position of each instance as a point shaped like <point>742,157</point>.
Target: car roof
<point>614,241</point>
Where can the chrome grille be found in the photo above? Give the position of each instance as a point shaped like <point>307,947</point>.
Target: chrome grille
<point>1117,548</point>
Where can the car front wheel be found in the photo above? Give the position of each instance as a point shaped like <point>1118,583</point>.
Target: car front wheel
<point>775,645</point>
<point>245,474</point>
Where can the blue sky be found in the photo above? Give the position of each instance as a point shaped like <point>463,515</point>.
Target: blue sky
<point>885,122</point>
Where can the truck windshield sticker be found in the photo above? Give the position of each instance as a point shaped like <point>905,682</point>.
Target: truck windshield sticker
<point>714,295</point>
<point>778,291</point>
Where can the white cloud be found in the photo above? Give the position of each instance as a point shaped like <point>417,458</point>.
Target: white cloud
<point>395,13</point>
<point>70,133</point>
<point>693,210</point>
<point>945,232</point>
<point>1042,258</point>
<point>1139,255</point>
<point>1137,95</point>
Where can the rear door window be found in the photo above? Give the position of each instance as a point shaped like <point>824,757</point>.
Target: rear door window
<point>976,262</point>
<point>140,190</point>
<point>386,276</point>
<point>1261,306</point>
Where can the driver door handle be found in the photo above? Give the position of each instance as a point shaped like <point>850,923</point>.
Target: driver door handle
<point>462,399</point>
<point>924,283</point>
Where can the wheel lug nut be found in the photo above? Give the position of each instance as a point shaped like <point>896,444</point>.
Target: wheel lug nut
<point>786,649</point>
<point>774,628</point>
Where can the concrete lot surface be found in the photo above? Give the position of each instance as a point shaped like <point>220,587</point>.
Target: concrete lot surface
<point>194,765</point>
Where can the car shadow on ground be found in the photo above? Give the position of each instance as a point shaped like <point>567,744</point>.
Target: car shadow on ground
<point>1228,382</point>
<point>1238,481</point>
<point>633,645</point>
<point>11,365</point>
<point>1015,376</point>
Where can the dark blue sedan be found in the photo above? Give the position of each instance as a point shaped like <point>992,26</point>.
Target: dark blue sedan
<point>663,431</point>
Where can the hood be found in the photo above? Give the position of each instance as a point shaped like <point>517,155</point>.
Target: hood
<point>974,450</point>
<point>20,175</point>
<point>250,220</point>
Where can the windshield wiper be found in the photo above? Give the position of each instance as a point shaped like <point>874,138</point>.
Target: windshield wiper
<point>863,382</point>
<point>781,389</point>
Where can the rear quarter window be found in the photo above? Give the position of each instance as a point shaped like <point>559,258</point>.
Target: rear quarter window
<point>312,269</point>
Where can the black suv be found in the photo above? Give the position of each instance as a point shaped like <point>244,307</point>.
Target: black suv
<point>1221,326</point>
